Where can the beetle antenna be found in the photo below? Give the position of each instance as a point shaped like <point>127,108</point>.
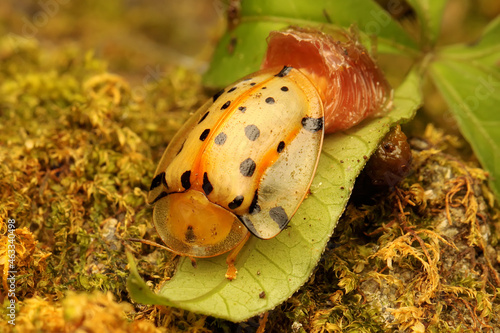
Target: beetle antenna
<point>148,242</point>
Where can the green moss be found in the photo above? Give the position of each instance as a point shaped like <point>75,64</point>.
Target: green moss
<point>76,167</point>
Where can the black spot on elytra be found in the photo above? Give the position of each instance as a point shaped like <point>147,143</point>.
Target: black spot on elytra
<point>226,105</point>
<point>207,186</point>
<point>279,216</point>
<point>254,207</point>
<point>312,124</point>
<point>270,100</point>
<point>204,135</point>
<point>236,202</point>
<point>161,195</point>
<point>253,84</point>
<point>189,235</point>
<point>218,95</point>
<point>157,181</point>
<point>185,179</point>
<point>242,109</point>
<point>232,89</point>
<point>284,72</point>
<point>284,88</point>
<point>249,224</point>
<point>204,116</point>
<point>247,167</point>
<point>220,139</point>
<point>281,146</point>
<point>252,132</point>
<point>180,149</point>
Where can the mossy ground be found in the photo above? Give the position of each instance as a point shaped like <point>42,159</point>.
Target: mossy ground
<point>78,148</point>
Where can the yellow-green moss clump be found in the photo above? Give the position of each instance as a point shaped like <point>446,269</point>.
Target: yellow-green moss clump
<point>78,148</point>
<point>75,166</point>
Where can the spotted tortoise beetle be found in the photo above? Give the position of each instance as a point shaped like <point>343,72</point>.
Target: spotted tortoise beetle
<point>244,162</point>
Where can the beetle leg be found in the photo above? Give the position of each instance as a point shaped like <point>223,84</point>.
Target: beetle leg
<point>231,258</point>
<point>193,262</point>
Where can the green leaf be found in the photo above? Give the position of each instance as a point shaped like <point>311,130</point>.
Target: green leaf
<point>270,271</point>
<point>239,53</point>
<point>490,38</point>
<point>366,14</point>
<point>242,49</point>
<point>139,289</point>
<point>468,77</point>
<point>472,91</point>
<point>486,50</point>
<point>429,13</point>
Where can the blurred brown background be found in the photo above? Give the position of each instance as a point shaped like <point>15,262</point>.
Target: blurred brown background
<point>129,34</point>
<point>132,33</point>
